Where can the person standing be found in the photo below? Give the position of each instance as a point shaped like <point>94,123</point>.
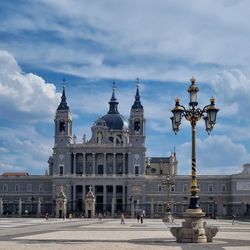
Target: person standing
<point>122,219</point>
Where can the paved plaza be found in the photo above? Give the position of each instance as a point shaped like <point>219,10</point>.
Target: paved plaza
<point>29,233</point>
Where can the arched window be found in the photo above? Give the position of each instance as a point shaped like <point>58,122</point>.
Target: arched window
<point>17,187</point>
<point>62,127</point>
<point>137,127</point>
<point>5,187</point>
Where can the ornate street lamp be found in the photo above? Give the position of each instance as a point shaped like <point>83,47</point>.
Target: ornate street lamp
<point>194,114</point>
<point>193,229</point>
<point>168,182</point>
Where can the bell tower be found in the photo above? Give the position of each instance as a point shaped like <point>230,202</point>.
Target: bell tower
<point>137,124</point>
<point>63,123</point>
<point>137,121</point>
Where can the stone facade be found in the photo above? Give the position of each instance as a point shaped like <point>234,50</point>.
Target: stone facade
<point>113,161</point>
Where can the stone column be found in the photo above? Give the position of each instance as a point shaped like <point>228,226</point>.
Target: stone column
<point>1,206</point>
<point>53,198</point>
<point>68,192</point>
<point>152,209</point>
<point>104,197</point>
<point>113,201</point>
<point>123,198</point>
<point>132,206</point>
<point>74,197</point>
<point>143,194</point>
<point>114,164</point>
<point>83,163</point>
<point>39,206</point>
<point>20,206</point>
<point>74,163</point>
<point>129,160</point>
<point>93,163</point>
<point>123,164</point>
<point>104,164</point>
<point>83,192</point>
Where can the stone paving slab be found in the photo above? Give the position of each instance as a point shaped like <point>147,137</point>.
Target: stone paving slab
<point>110,234</point>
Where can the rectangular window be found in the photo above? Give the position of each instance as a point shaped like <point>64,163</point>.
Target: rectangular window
<point>184,207</point>
<point>109,189</point>
<point>41,188</point>
<point>185,188</point>
<point>210,188</point>
<point>160,208</point>
<point>5,187</point>
<point>100,169</point>
<point>160,189</point>
<point>17,188</point>
<point>61,170</point>
<point>136,170</point>
<point>29,187</point>
<point>210,208</point>
<point>223,188</point>
<point>174,208</point>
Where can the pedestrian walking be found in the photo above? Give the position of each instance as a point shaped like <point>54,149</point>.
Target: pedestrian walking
<point>233,218</point>
<point>141,218</point>
<point>138,218</point>
<point>100,216</point>
<point>122,219</point>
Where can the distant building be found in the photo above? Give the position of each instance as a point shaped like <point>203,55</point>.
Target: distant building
<point>113,163</point>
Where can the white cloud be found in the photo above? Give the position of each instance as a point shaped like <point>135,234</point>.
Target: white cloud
<point>215,155</point>
<point>24,96</point>
<point>108,39</point>
<point>26,149</point>
<point>232,89</point>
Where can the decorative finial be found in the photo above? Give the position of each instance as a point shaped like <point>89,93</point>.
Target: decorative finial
<point>192,80</point>
<point>177,99</point>
<point>114,87</point>
<point>137,81</point>
<point>63,83</point>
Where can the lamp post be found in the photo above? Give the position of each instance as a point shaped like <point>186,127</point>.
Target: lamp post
<point>193,114</point>
<point>193,215</point>
<point>168,182</point>
<point>32,201</point>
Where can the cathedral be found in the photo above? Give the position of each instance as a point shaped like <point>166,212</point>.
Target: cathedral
<point>110,174</point>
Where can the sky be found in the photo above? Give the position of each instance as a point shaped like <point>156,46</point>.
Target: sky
<point>91,43</point>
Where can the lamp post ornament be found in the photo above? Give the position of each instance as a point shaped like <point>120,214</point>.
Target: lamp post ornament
<point>193,114</point>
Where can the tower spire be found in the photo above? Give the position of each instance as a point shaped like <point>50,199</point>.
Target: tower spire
<point>113,104</point>
<point>137,102</point>
<point>63,104</point>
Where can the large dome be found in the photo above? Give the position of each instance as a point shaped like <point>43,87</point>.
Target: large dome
<point>115,121</point>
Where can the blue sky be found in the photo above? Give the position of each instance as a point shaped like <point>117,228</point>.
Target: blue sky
<point>92,43</point>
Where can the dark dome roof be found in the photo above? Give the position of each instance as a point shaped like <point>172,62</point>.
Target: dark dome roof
<point>115,121</point>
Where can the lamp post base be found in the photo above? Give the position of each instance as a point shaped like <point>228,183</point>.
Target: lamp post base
<point>194,229</point>
<point>194,202</point>
<point>168,217</point>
